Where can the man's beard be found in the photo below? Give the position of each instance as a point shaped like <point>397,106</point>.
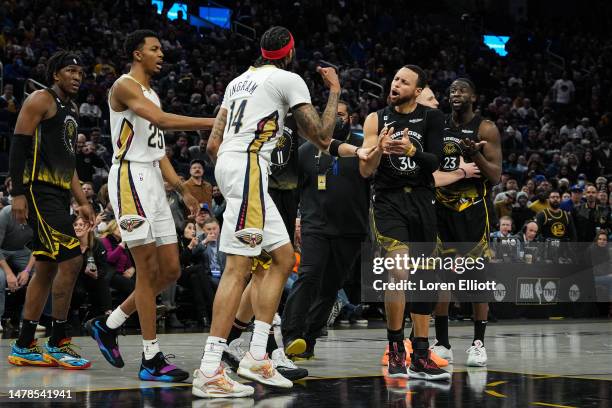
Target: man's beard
<point>401,100</point>
<point>555,206</point>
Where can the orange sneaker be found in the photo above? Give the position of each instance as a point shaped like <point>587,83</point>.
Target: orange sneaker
<point>384,361</point>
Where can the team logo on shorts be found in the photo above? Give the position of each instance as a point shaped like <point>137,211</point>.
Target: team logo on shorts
<point>251,239</point>
<point>130,224</point>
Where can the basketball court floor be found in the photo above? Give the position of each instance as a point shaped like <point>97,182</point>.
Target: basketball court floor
<point>544,363</point>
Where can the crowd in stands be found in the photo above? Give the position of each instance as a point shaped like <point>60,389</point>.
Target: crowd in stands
<point>555,120</point>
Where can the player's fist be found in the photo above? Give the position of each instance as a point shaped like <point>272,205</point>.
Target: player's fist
<point>330,78</point>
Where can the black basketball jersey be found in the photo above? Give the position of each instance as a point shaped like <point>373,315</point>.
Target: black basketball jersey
<point>52,159</point>
<point>554,226</point>
<point>463,193</point>
<point>284,158</point>
<point>425,126</point>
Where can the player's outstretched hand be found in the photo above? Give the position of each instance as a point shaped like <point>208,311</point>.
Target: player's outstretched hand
<point>330,78</point>
<point>471,169</point>
<point>191,203</point>
<point>399,146</point>
<point>470,147</point>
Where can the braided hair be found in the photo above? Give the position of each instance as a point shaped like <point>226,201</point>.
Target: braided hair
<point>274,38</point>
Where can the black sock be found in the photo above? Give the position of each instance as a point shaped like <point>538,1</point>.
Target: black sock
<point>237,328</point>
<point>396,337</point>
<point>58,332</point>
<point>420,346</point>
<point>26,335</point>
<point>442,331</point>
<point>479,330</point>
<point>271,345</point>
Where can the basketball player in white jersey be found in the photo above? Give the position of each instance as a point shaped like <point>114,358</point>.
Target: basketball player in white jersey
<point>136,190</point>
<point>244,134</point>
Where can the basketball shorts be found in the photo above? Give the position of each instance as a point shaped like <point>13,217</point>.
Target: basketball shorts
<point>49,216</point>
<point>465,232</point>
<point>251,221</point>
<point>138,197</point>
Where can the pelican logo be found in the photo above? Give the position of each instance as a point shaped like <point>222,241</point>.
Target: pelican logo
<point>251,239</point>
<point>130,224</point>
<point>558,229</point>
<point>500,292</point>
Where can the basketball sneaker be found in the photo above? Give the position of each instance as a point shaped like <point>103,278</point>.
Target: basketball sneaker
<point>160,369</point>
<point>295,346</point>
<point>286,367</point>
<point>442,352</point>
<point>262,371</point>
<point>397,364</point>
<point>29,356</point>
<point>234,353</point>
<point>407,345</point>
<point>308,354</point>
<point>426,369</point>
<point>220,385</point>
<point>64,355</point>
<point>477,355</point>
<point>106,339</point>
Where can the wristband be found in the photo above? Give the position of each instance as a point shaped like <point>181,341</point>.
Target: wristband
<point>333,147</point>
<point>464,172</point>
<point>356,150</point>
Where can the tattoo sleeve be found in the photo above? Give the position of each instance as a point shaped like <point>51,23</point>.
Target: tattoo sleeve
<point>317,129</point>
<point>329,116</point>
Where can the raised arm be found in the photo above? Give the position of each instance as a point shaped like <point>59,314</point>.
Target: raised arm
<point>127,94</point>
<point>216,136</point>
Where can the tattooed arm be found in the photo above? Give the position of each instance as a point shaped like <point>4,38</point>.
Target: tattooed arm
<point>317,129</point>
<point>216,136</point>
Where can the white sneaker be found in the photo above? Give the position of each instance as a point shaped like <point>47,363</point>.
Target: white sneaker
<point>443,352</point>
<point>220,385</point>
<point>477,355</point>
<point>262,371</point>
<point>40,328</point>
<point>236,349</point>
<point>286,367</point>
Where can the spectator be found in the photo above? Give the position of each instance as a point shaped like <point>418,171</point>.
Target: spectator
<point>122,277</point>
<point>575,199</point>
<point>503,208</point>
<point>87,160</point>
<point>542,201</point>
<point>92,281</point>
<point>196,185</point>
<point>599,255</point>
<point>16,259</point>
<point>505,228</point>
<point>177,206</point>
<point>554,223</point>
<point>520,211</point>
<point>208,246</point>
<point>218,204</point>
<point>89,112</point>
<point>200,220</point>
<point>9,106</point>
<point>590,166</point>
<point>563,91</point>
<point>604,156</point>
<point>602,184</point>
<point>198,152</point>
<point>590,215</point>
<point>602,199</point>
<point>89,192</point>
<point>529,232</point>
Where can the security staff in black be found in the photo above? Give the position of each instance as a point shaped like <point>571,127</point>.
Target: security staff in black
<point>555,223</point>
<point>42,167</point>
<point>283,180</point>
<point>464,209</point>
<point>334,201</point>
<point>408,137</point>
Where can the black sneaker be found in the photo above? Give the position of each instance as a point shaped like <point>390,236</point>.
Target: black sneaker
<point>308,354</point>
<point>397,363</point>
<point>286,367</point>
<point>425,369</point>
<point>106,339</point>
<point>160,369</point>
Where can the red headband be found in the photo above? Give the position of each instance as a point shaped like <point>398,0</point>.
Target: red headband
<point>279,54</point>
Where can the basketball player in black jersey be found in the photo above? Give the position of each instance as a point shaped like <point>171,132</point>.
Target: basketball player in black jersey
<point>408,137</point>
<point>463,207</point>
<point>42,166</point>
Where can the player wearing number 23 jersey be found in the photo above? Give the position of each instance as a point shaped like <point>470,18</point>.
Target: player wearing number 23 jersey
<point>257,102</point>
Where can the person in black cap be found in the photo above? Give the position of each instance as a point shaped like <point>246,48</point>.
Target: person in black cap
<point>42,167</point>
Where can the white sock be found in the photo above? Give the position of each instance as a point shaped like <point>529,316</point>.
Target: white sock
<point>259,340</point>
<point>213,350</point>
<point>278,332</point>
<point>116,318</point>
<point>150,348</point>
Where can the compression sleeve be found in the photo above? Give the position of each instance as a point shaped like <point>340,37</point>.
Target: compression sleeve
<point>20,148</point>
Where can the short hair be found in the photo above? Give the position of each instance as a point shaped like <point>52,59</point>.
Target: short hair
<point>211,220</point>
<point>53,65</point>
<point>348,106</point>
<point>554,190</point>
<point>506,218</point>
<point>421,75</point>
<point>135,40</point>
<point>468,82</point>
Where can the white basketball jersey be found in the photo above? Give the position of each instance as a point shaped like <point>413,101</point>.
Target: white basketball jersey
<point>257,102</point>
<point>135,138</point>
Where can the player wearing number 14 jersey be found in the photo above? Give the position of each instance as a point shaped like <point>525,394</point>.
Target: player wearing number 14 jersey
<point>136,190</point>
